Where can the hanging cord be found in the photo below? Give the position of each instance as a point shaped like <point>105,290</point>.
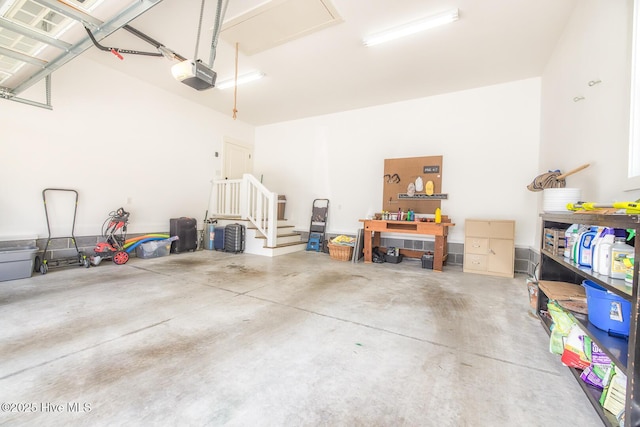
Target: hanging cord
<point>195,54</point>
<point>220,12</point>
<point>235,87</point>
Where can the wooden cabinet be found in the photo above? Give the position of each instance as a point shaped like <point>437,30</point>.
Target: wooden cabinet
<point>489,247</point>
<point>624,352</point>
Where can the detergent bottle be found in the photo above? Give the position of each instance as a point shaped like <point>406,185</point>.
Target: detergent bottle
<point>570,237</point>
<point>585,246</point>
<point>575,248</point>
<point>619,251</point>
<point>594,243</point>
<point>600,262</point>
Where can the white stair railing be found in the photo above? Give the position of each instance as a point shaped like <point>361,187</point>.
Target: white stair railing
<point>226,196</point>
<point>247,198</point>
<point>262,208</point>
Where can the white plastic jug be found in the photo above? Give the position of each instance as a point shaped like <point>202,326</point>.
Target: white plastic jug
<point>575,249</point>
<point>570,238</point>
<point>619,251</point>
<point>602,263</point>
<point>585,245</point>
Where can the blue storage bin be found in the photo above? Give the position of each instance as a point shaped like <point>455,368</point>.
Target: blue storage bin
<point>607,311</point>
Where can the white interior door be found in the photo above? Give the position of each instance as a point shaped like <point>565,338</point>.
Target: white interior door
<point>238,159</point>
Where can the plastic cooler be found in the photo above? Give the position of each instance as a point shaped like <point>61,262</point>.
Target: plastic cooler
<point>607,311</point>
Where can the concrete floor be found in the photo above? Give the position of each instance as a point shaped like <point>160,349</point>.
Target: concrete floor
<point>211,338</point>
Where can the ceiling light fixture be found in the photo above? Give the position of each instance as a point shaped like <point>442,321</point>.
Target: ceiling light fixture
<point>412,27</point>
<point>245,78</point>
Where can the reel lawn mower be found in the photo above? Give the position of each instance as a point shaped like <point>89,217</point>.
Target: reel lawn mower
<point>114,230</point>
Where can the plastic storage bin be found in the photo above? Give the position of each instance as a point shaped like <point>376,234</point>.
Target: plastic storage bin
<point>607,311</point>
<point>16,263</point>
<point>154,249</point>
<point>393,259</point>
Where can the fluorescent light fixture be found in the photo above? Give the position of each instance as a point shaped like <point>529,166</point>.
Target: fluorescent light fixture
<point>245,78</point>
<point>412,27</point>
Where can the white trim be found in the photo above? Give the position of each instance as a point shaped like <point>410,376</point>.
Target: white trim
<point>633,171</point>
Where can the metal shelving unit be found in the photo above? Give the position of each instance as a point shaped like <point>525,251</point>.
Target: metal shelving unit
<point>622,351</point>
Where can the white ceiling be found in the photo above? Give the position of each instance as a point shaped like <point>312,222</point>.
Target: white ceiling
<point>330,70</point>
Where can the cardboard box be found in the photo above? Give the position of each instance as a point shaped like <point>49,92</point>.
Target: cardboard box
<point>568,295</point>
<point>16,263</point>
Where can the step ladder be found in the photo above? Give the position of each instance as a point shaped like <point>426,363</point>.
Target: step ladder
<point>318,225</point>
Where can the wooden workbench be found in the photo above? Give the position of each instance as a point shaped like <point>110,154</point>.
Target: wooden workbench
<point>373,228</point>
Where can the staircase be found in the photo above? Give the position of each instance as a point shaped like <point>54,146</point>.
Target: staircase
<point>246,201</point>
<point>287,240</point>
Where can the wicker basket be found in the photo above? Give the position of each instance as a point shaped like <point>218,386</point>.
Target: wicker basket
<point>340,252</point>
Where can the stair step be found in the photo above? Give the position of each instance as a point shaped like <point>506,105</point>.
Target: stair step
<point>260,236</point>
<point>278,226</point>
<point>287,240</point>
<point>284,245</point>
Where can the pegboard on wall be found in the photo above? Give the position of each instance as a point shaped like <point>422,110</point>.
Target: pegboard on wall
<point>413,183</point>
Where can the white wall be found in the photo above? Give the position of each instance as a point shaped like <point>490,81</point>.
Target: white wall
<point>488,137</point>
<point>118,142</point>
<point>121,142</point>
<point>594,46</point>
